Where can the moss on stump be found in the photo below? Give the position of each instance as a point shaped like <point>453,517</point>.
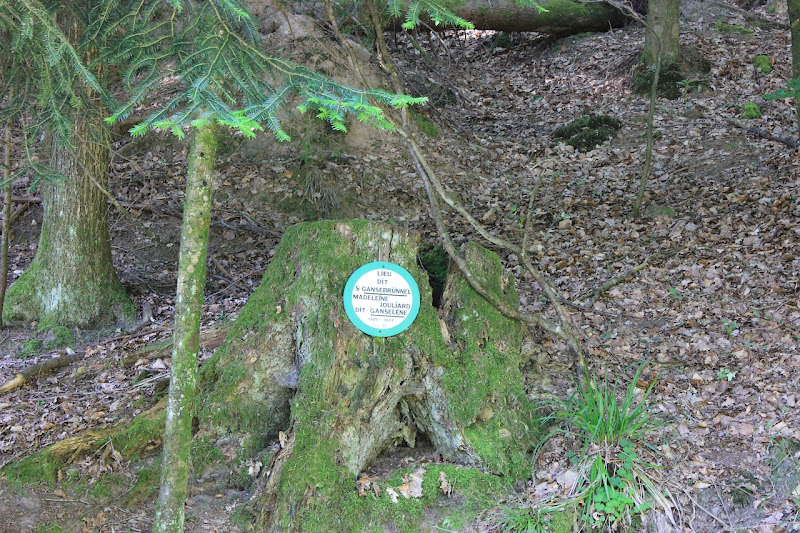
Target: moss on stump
<point>293,363</point>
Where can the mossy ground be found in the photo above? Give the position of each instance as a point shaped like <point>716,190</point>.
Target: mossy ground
<point>670,79</point>
<point>762,63</point>
<point>587,132</point>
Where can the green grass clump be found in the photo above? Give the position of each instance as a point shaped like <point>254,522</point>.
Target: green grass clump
<point>751,111</point>
<point>586,132</point>
<point>724,27</point>
<point>426,126</point>
<point>763,64</point>
<point>613,477</point>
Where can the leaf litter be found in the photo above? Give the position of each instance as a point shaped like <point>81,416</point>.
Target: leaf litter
<point>719,320</point>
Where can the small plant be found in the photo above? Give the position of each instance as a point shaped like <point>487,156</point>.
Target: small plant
<point>763,64</point>
<point>674,292</point>
<point>522,520</point>
<point>726,374</point>
<point>751,111</point>
<point>791,90</point>
<point>724,27</point>
<point>731,327</point>
<point>613,478</point>
<point>693,85</point>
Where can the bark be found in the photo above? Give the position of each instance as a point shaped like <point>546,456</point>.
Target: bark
<point>563,17</point>
<point>662,17</point>
<point>6,217</point>
<point>794,23</point>
<point>71,281</point>
<point>169,516</point>
<point>294,363</point>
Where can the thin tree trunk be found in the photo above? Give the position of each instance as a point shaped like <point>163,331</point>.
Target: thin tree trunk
<point>794,23</point>
<point>186,336</point>
<point>6,218</point>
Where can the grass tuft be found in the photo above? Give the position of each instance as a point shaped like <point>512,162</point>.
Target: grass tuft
<point>614,481</point>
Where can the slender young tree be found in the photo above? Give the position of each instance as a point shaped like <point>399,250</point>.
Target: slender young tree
<point>6,217</point>
<point>662,33</point>
<point>794,24</point>
<point>186,333</point>
<point>213,49</point>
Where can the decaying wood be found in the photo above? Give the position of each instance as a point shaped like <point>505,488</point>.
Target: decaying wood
<point>68,450</point>
<point>762,133</point>
<point>294,363</point>
<point>38,370</point>
<point>561,18</point>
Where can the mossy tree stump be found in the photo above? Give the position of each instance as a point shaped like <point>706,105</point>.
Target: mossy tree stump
<point>293,362</point>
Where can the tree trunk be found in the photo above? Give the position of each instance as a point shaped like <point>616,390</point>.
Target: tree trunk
<point>794,23</point>
<point>563,17</point>
<point>186,335</point>
<point>294,363</point>
<point>662,17</point>
<point>6,217</point>
<point>71,281</point>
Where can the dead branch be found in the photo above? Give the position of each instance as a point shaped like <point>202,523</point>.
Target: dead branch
<point>761,133</point>
<point>178,213</point>
<point>595,294</point>
<point>38,370</point>
<point>147,318</point>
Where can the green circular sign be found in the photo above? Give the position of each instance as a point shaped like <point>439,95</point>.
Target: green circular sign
<point>381,299</point>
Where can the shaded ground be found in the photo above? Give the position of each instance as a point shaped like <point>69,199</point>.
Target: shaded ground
<point>717,312</point>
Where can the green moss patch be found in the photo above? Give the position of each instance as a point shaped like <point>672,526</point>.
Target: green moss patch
<point>30,348</point>
<point>732,29</point>
<point>471,492</point>
<point>751,111</point>
<point>763,64</point>
<point>586,132</point>
<point>670,80</point>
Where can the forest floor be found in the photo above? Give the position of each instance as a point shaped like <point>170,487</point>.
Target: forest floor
<point>716,311</point>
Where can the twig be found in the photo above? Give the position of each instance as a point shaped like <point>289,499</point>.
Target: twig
<point>59,500</point>
<point>147,318</point>
<point>616,280</point>
<point>725,526</point>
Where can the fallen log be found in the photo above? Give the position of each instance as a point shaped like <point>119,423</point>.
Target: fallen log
<point>561,18</point>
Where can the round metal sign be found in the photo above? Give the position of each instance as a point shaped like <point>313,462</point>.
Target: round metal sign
<point>381,299</point>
